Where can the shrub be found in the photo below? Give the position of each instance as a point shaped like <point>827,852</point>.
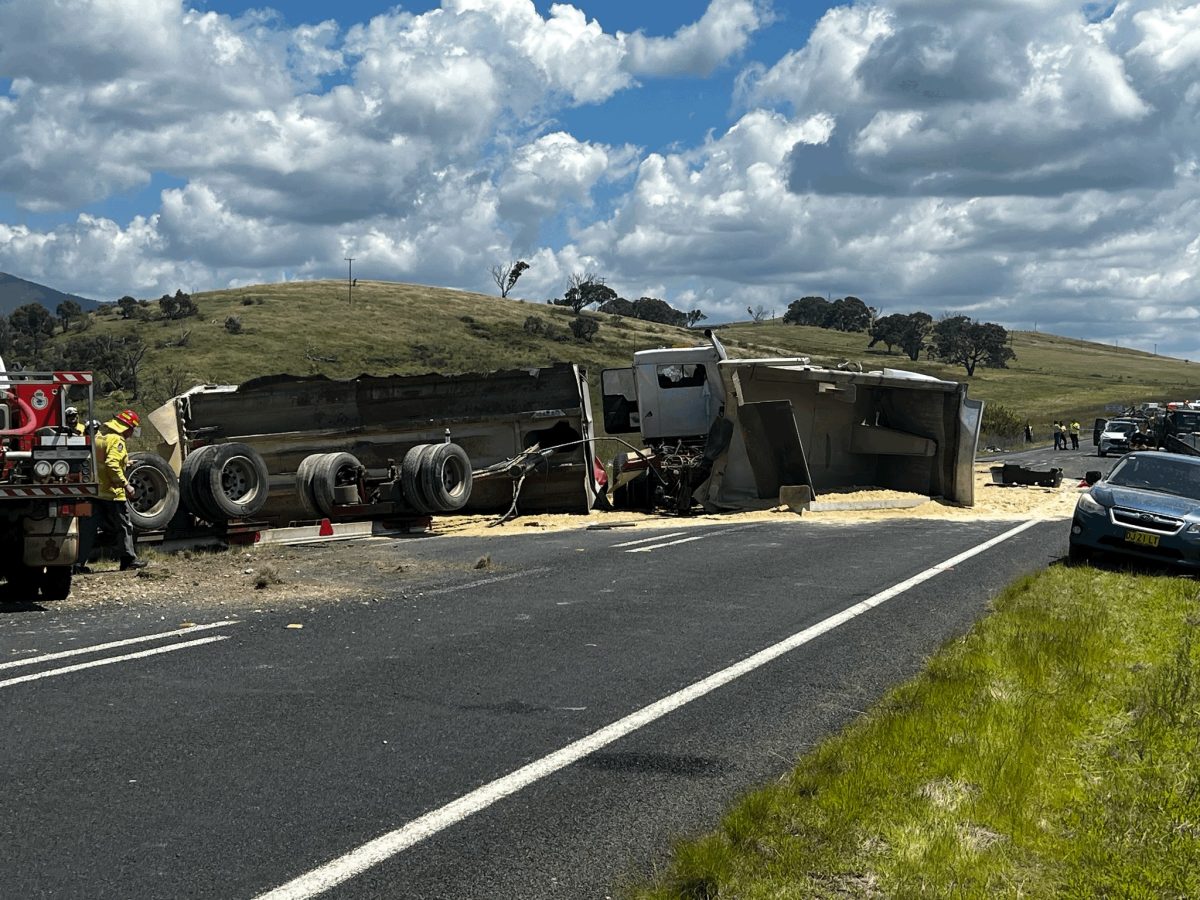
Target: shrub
<point>247,301</point>
<point>584,329</point>
<point>535,325</point>
<point>233,325</point>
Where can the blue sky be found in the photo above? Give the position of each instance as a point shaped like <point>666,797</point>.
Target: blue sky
<point>1018,161</point>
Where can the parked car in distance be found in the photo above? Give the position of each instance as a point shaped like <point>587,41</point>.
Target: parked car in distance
<point>1115,436</point>
<point>1148,507</point>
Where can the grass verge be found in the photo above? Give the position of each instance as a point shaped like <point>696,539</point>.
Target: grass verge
<point>1053,752</point>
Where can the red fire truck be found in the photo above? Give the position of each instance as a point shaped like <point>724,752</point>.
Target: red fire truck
<point>47,481</point>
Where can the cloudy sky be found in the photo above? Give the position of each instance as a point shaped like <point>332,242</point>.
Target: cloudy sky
<point>1027,162</point>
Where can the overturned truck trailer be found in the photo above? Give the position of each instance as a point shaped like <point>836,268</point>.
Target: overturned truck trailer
<point>733,433</point>
<point>495,417</point>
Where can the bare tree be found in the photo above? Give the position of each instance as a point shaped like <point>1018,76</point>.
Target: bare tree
<point>757,313</point>
<point>579,279</point>
<point>506,276</point>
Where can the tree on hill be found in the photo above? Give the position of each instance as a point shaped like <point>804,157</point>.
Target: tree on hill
<point>6,339</point>
<point>618,306</point>
<point>32,327</point>
<point>179,306</point>
<point>117,360</point>
<point>807,311</point>
<point>651,309</point>
<point>506,275</point>
<point>68,311</point>
<point>908,332</point>
<point>128,307</point>
<point>584,290</point>
<point>958,339</point>
<point>848,314</point>
<point>694,317</point>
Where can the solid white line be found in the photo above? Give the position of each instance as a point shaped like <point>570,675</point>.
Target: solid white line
<point>109,660</point>
<point>96,648</point>
<point>657,537</point>
<point>699,537</point>
<point>357,861</point>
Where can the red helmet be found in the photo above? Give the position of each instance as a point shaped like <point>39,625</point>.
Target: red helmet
<point>128,418</point>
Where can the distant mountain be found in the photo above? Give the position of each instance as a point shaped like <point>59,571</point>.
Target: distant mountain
<point>16,292</point>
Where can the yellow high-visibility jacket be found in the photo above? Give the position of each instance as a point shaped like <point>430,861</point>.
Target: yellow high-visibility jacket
<point>112,457</point>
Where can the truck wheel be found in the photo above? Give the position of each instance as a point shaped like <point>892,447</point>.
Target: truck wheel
<point>157,489</point>
<point>446,477</point>
<point>235,480</point>
<point>191,481</point>
<point>328,472</point>
<point>23,582</point>
<point>56,582</point>
<point>410,479</point>
<point>304,486</point>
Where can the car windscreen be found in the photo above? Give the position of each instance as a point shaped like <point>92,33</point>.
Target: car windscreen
<point>1122,427</point>
<point>1149,473</point>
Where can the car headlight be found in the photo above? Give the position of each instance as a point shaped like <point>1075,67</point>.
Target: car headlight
<point>1088,503</point>
<point>1193,529</point>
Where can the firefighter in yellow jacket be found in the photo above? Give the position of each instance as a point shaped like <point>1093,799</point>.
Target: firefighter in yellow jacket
<point>109,510</point>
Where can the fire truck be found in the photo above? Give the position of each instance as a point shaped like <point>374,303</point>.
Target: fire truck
<point>47,481</point>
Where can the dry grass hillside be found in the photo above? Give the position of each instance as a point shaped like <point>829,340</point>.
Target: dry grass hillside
<point>310,327</point>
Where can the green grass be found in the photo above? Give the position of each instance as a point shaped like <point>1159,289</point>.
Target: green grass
<point>309,327</point>
<point>1053,752</point>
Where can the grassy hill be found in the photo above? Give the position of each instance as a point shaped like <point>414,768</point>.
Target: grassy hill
<point>309,327</point>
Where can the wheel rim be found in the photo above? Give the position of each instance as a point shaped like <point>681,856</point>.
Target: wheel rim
<point>151,487</point>
<point>239,480</point>
<point>452,475</point>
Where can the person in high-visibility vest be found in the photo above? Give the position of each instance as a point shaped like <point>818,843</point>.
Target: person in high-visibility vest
<point>1074,435</point>
<point>109,510</point>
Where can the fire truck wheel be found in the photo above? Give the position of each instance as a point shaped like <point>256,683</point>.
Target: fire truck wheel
<point>330,471</point>
<point>23,582</point>
<point>235,480</point>
<point>304,487</point>
<point>410,479</point>
<point>157,488</point>
<point>56,582</point>
<point>446,477</point>
<point>191,481</point>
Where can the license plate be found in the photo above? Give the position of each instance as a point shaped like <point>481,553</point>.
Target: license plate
<point>1141,537</point>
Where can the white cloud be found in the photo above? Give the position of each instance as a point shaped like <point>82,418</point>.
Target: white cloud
<point>1023,160</point>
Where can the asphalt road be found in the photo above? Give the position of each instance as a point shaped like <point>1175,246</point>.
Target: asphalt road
<point>227,768</point>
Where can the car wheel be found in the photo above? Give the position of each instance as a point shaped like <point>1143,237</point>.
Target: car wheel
<point>1078,555</point>
<point>191,474</point>
<point>304,485</point>
<point>446,477</point>
<point>157,487</point>
<point>235,481</point>
<point>410,479</point>
<point>1101,453</point>
<point>328,472</point>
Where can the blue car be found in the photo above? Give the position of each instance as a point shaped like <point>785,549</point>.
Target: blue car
<point>1148,507</point>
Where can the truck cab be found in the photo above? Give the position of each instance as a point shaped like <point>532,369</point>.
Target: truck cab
<point>666,395</point>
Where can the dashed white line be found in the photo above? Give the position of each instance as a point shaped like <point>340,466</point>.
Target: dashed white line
<point>109,660</point>
<point>97,648</point>
<point>484,581</point>
<point>358,860</point>
<point>698,537</point>
<point>647,540</point>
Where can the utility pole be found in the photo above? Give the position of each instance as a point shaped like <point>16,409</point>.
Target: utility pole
<point>349,280</point>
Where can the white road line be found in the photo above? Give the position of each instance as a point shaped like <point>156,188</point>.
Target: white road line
<point>96,648</point>
<point>109,660</point>
<point>484,581</point>
<point>657,537</point>
<point>699,537</point>
<point>358,860</point>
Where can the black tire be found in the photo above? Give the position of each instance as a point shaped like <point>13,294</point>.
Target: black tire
<point>330,470</point>
<point>23,582</point>
<point>445,477</point>
<point>157,488</point>
<point>304,485</point>
<point>410,479</point>
<point>1077,555</point>
<point>56,581</point>
<point>191,478</point>
<point>235,481</point>
<point>1101,453</point>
